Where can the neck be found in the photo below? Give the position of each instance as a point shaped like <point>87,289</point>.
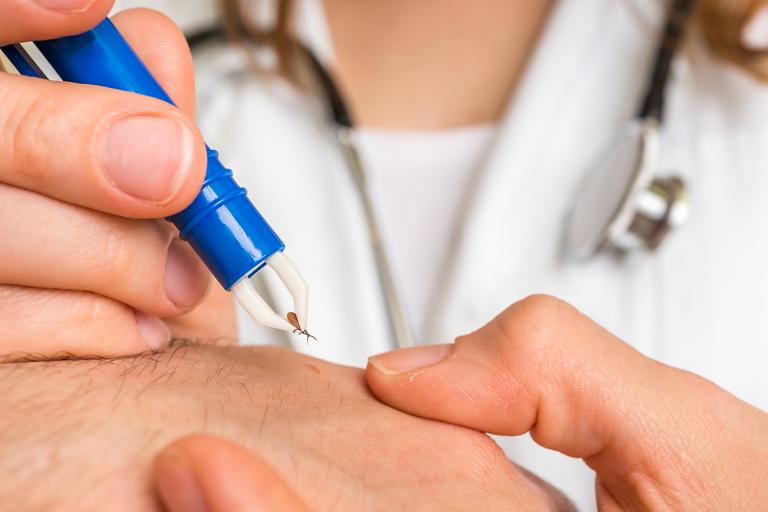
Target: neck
<point>431,64</point>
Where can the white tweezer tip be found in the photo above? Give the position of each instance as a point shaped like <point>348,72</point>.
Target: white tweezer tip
<point>295,284</point>
<point>255,305</point>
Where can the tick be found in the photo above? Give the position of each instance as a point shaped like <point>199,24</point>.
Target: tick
<point>294,321</point>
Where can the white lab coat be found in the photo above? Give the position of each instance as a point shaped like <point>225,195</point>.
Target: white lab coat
<point>701,303</point>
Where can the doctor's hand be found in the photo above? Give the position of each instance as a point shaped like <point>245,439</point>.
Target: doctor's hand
<point>658,438</point>
<point>84,173</point>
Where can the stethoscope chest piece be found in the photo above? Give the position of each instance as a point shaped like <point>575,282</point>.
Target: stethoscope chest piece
<point>621,206</point>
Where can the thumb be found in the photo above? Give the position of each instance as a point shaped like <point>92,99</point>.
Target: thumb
<point>657,436</point>
<point>206,474</point>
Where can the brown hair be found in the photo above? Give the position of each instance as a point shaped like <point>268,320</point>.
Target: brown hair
<point>720,22</point>
<point>242,26</point>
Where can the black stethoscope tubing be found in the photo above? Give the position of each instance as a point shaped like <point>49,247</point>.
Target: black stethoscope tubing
<point>335,102</point>
<point>653,102</point>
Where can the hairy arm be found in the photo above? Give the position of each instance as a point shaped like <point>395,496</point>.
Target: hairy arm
<point>81,434</point>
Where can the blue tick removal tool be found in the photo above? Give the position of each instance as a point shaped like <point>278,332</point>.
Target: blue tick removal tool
<point>222,225</point>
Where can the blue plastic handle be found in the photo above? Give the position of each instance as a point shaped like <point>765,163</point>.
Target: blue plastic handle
<point>222,225</point>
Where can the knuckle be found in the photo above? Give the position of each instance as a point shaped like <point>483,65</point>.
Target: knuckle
<point>89,312</point>
<point>536,342</point>
<point>538,320</point>
<point>116,257</point>
<point>125,246</point>
<point>97,317</point>
<point>542,309</point>
<point>20,126</point>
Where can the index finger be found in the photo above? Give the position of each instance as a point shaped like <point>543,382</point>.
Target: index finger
<point>108,150</point>
<point>34,20</point>
<point>540,367</point>
<point>161,45</point>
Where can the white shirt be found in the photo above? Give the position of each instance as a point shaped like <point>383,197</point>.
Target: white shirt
<point>419,183</point>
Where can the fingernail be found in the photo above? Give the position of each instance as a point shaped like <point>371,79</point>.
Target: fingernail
<point>148,157</point>
<point>177,484</point>
<point>65,5</point>
<point>186,280</point>
<point>155,333</point>
<point>410,359</point>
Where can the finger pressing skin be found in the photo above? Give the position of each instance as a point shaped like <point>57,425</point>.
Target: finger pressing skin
<point>657,436</point>
<point>161,45</point>
<point>499,374</point>
<point>60,245</point>
<point>44,323</point>
<point>206,474</point>
<point>108,150</point>
<point>33,20</point>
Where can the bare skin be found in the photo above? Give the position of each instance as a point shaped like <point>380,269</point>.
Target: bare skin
<point>81,435</point>
<point>432,64</point>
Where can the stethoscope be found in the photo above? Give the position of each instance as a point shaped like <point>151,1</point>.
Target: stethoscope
<point>622,206</point>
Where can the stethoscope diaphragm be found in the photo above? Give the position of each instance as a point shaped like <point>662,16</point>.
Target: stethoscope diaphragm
<point>621,206</point>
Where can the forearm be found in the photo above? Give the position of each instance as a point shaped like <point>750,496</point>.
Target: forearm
<point>80,435</point>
